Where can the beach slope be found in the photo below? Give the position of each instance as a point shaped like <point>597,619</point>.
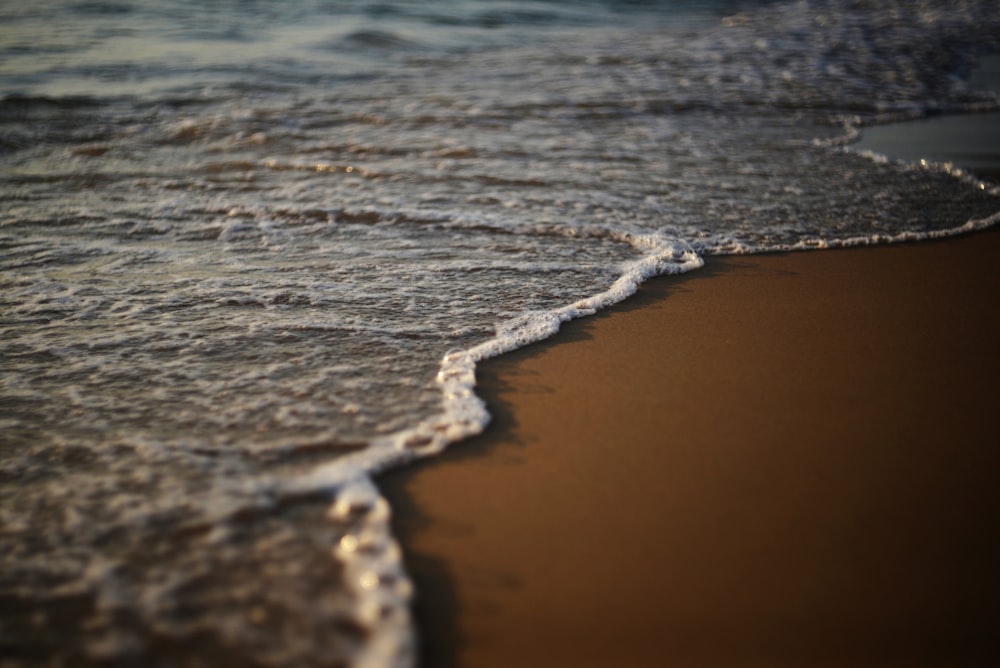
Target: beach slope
<point>779,460</point>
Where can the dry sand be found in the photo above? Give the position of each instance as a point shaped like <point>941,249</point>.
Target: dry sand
<point>779,460</point>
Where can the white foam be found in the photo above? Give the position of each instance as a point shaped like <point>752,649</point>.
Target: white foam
<point>374,575</point>
<point>278,229</point>
<point>373,563</point>
<point>464,414</point>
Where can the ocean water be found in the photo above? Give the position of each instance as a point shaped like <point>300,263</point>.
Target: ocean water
<point>250,253</point>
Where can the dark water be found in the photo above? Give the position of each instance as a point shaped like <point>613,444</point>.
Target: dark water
<point>250,253</point>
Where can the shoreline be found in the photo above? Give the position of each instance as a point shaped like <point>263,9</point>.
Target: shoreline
<point>800,468</point>
<point>780,459</point>
<point>970,140</point>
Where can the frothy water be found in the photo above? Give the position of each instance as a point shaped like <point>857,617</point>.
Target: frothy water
<point>251,254</point>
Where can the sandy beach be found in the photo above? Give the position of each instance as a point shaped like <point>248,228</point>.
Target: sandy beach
<point>777,460</point>
<point>241,243</point>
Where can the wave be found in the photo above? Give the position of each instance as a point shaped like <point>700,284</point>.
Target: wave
<point>230,301</point>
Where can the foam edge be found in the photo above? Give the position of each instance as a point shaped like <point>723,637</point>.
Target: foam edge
<point>371,559</point>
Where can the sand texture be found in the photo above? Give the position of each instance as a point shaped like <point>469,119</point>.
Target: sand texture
<point>779,460</point>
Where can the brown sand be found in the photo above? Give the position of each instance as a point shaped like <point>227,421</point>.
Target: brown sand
<point>779,460</point>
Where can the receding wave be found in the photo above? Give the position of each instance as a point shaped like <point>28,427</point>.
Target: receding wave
<point>234,285</point>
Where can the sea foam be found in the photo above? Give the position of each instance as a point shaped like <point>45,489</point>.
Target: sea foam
<point>239,282</point>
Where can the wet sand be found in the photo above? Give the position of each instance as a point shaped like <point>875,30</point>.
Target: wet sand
<point>971,141</point>
<point>778,460</point>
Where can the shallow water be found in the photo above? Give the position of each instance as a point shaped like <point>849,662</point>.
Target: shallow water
<point>251,253</point>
